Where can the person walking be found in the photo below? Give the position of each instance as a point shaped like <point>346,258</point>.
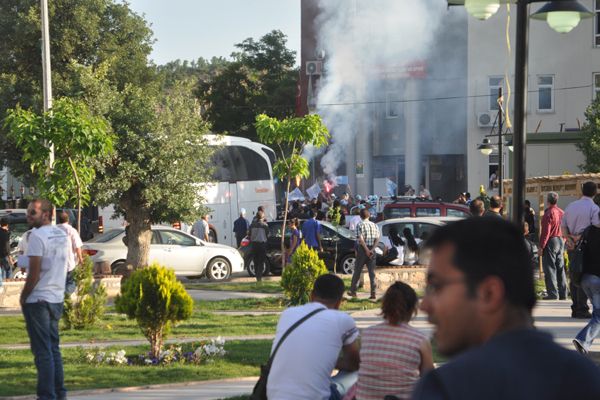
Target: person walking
<point>479,297</point>
<point>367,238</point>
<point>240,227</point>
<point>200,228</point>
<point>311,232</point>
<point>551,250</point>
<point>75,255</point>
<point>5,258</point>
<point>294,239</point>
<point>590,284</point>
<point>577,217</point>
<point>42,297</point>
<point>259,232</point>
<point>393,354</point>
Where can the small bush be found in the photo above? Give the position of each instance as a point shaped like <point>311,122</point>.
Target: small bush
<point>90,300</point>
<point>155,299</point>
<point>299,277</point>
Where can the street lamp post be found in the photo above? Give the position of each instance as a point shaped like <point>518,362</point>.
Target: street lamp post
<point>562,16</point>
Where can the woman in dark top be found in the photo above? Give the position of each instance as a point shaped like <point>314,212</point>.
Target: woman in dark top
<point>590,283</point>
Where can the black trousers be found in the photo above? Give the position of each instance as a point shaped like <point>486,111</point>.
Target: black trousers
<point>361,260</point>
<point>259,256</point>
<point>578,296</point>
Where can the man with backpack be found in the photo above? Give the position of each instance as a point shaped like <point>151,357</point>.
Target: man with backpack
<point>577,217</point>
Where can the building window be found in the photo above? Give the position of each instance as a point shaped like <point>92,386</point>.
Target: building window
<point>495,83</point>
<point>597,23</point>
<point>392,105</point>
<point>545,93</point>
<point>596,85</point>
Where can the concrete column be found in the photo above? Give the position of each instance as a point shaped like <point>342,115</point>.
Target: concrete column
<point>412,155</point>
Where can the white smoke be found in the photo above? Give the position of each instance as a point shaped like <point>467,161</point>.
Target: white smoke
<point>362,39</point>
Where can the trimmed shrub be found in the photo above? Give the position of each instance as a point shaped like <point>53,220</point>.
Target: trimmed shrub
<point>155,299</point>
<point>87,307</point>
<point>299,277</point>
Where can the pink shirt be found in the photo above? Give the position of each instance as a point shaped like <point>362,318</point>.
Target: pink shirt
<point>390,361</point>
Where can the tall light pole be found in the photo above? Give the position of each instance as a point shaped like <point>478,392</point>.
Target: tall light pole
<point>46,69</point>
<point>562,16</point>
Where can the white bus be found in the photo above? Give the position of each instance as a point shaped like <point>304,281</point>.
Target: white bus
<point>243,178</point>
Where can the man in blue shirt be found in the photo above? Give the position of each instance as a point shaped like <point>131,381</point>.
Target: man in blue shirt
<point>311,232</point>
<point>479,296</point>
<point>240,227</point>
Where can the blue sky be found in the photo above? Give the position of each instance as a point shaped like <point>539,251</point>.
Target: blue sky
<point>188,29</point>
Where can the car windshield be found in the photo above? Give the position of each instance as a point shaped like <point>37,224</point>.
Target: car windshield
<point>345,232</point>
<point>106,237</point>
<point>18,228</point>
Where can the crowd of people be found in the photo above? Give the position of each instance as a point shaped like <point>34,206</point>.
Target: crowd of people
<point>479,297</point>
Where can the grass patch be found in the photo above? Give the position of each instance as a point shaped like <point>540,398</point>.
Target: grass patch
<point>275,304</point>
<point>18,374</point>
<point>118,327</point>
<point>268,287</point>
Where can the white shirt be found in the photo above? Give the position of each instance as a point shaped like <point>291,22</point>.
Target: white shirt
<point>200,229</point>
<point>303,364</point>
<point>352,221</point>
<point>22,259</point>
<point>76,243</point>
<point>580,214</point>
<point>52,244</point>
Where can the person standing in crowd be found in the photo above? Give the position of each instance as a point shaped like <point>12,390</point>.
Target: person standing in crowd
<point>200,228</point>
<point>479,297</point>
<point>42,297</point>
<point>5,258</point>
<point>590,284</point>
<point>411,247</point>
<point>532,250</point>
<point>303,364</point>
<point>551,250</point>
<point>495,209</point>
<point>75,256</point>
<point>460,199</point>
<point>259,232</point>
<point>477,208</point>
<point>311,232</point>
<point>394,248</point>
<point>424,193</point>
<point>393,354</point>
<point>294,239</point>
<point>367,238</point>
<point>577,216</point>
<point>530,218</point>
<point>240,227</point>
<point>468,198</point>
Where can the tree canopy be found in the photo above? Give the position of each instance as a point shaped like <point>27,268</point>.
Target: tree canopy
<point>590,144</point>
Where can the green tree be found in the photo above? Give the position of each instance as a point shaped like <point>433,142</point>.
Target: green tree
<point>102,34</point>
<point>156,300</point>
<point>293,134</point>
<point>161,158</point>
<point>80,139</point>
<point>261,79</point>
<point>590,135</point>
<point>299,278</point>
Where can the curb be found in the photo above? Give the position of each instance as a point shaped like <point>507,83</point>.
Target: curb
<point>90,392</point>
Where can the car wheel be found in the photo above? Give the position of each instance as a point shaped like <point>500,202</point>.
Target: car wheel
<point>347,264</point>
<point>119,268</point>
<point>252,271</point>
<point>218,269</point>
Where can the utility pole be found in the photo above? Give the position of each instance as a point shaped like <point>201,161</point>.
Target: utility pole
<point>47,79</point>
<point>500,138</point>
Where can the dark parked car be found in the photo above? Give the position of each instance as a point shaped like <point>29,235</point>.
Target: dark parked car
<point>337,242</point>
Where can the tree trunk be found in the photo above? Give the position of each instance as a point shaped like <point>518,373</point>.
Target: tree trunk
<point>78,194</point>
<point>285,214</point>
<point>139,233</point>
<point>156,343</point>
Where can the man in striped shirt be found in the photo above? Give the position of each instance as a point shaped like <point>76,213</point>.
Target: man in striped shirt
<point>367,239</point>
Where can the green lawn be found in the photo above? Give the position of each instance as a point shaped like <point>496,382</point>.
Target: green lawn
<point>269,286</point>
<point>18,374</point>
<point>274,304</point>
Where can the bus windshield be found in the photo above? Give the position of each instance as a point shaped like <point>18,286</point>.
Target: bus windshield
<point>236,163</point>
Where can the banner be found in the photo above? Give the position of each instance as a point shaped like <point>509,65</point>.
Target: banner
<point>313,191</point>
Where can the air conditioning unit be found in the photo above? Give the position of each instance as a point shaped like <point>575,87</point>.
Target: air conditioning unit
<point>485,119</point>
<point>314,67</point>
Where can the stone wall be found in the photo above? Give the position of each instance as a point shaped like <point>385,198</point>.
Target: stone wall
<point>415,276</point>
<point>10,290</point>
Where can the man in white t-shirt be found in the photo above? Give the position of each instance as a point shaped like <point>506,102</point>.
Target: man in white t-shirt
<point>75,255</point>
<point>200,228</point>
<point>42,297</point>
<point>303,364</point>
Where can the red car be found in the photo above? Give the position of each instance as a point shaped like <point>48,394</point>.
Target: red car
<point>419,208</point>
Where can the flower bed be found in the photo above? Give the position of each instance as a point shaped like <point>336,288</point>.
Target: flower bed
<point>188,353</point>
